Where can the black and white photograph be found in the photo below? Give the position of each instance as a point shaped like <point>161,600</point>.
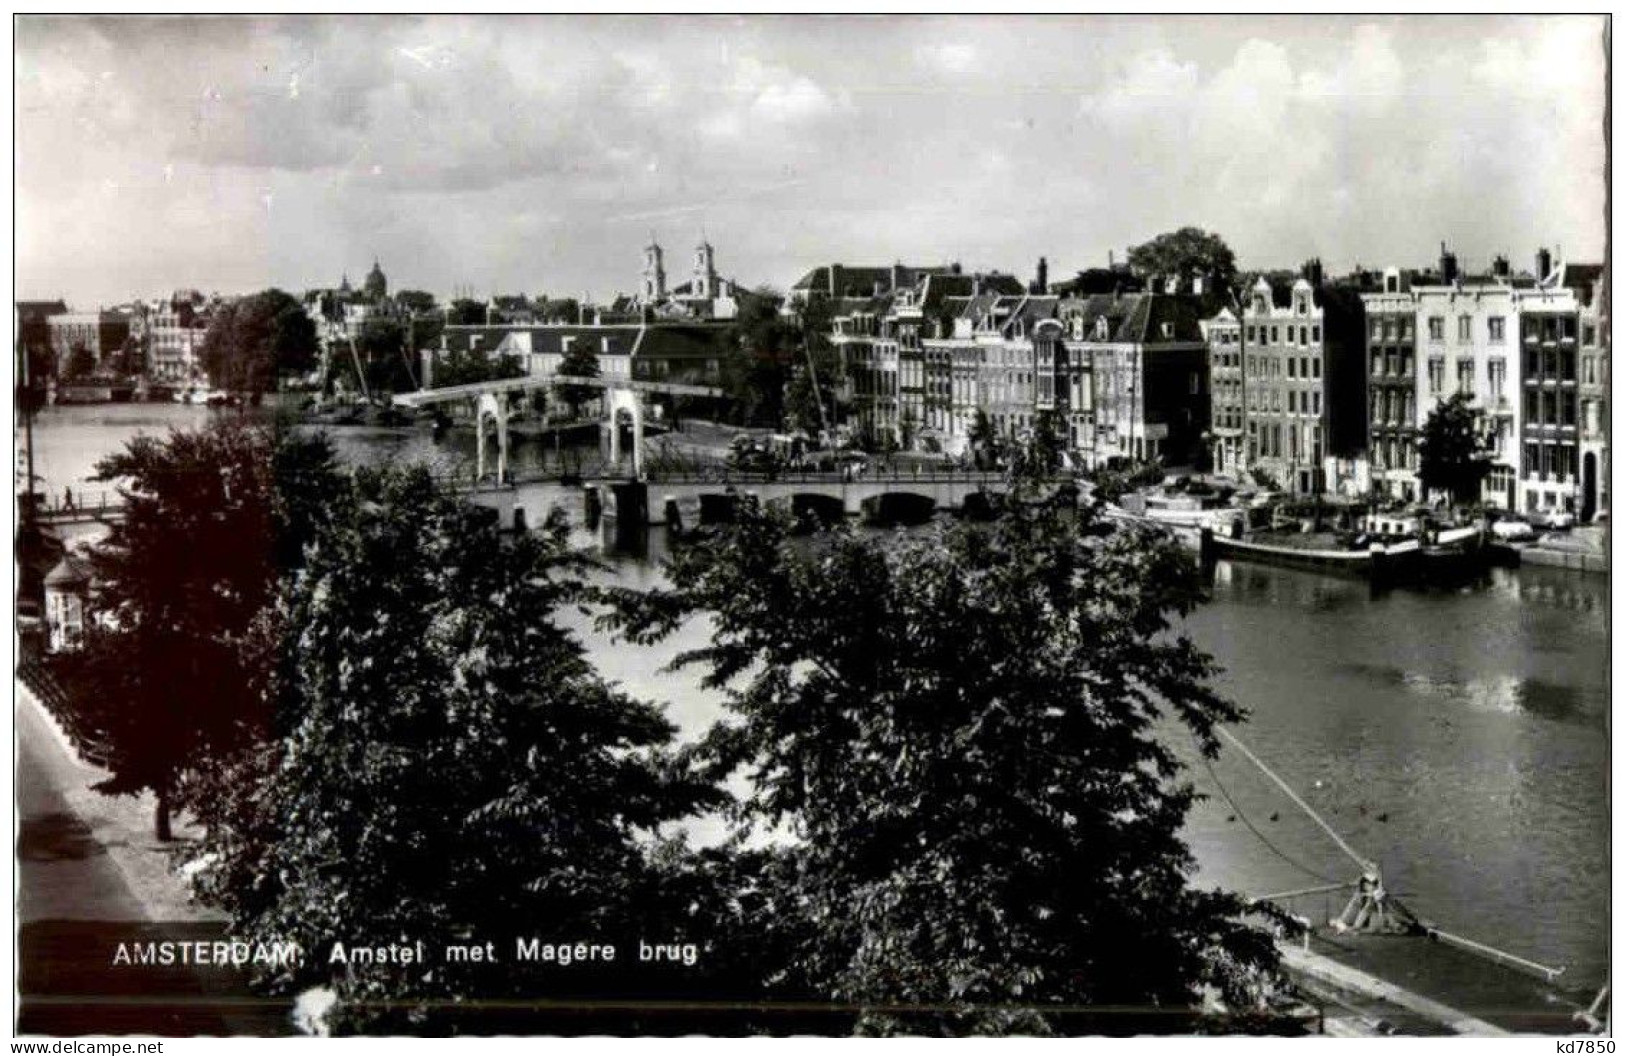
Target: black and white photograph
<point>849,525</point>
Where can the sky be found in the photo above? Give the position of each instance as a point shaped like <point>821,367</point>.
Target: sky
<point>539,154</point>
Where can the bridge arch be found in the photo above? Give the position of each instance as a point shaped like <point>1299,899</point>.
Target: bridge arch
<point>490,405</point>
<point>898,507</point>
<point>816,508</point>
<point>616,400</point>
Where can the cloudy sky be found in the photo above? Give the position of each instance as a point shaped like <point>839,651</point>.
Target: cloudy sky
<point>537,154</point>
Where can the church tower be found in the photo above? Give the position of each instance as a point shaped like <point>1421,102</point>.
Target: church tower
<point>654,274</point>
<point>705,271</point>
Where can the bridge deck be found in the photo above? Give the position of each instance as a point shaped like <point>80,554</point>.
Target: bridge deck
<point>474,390</point>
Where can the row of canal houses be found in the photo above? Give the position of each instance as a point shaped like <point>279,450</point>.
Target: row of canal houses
<point>1319,385</point>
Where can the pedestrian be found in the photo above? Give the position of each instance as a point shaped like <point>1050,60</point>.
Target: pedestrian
<point>67,498</point>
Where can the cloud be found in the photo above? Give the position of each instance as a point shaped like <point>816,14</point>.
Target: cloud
<point>493,150</point>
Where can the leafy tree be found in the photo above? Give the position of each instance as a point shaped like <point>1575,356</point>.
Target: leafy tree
<point>962,734</point>
<point>212,518</point>
<point>1188,252</point>
<point>462,367</point>
<point>755,372</point>
<point>81,363</point>
<point>1040,455</point>
<point>579,362</point>
<point>984,440</point>
<point>560,310</point>
<point>254,340</point>
<point>417,302</point>
<point>1453,457</point>
<point>450,768</point>
<point>381,347</point>
<point>812,397</point>
<point>465,312</point>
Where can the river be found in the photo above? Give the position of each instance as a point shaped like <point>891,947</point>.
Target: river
<point>1460,737</point>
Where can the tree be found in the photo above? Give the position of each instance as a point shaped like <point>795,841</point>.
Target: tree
<point>416,302</point>
<point>580,361</point>
<point>756,370</point>
<point>212,519</point>
<point>1188,252</point>
<point>813,395</point>
<point>81,363</point>
<point>460,367</point>
<point>963,734</point>
<point>465,312</point>
<point>1453,456</point>
<point>558,310</point>
<point>253,341</point>
<point>450,768</point>
<point>381,347</point>
<point>1040,455</point>
<point>984,440</point>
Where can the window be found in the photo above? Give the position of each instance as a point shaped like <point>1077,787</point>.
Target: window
<point>1498,378</point>
<point>1314,334</point>
<point>1376,329</point>
<point>1316,363</point>
<point>1436,375</point>
<point>1275,335</point>
<point>1498,329</point>
<point>1588,334</point>
<point>1252,335</point>
<point>1435,328</point>
<point>1196,383</point>
<point>1292,402</point>
<point>1464,328</point>
<point>1303,335</point>
<point>1317,402</point>
<point>1292,366</point>
<point>1464,376</point>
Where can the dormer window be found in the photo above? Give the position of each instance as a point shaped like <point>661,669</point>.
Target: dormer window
<point>1102,328</point>
<point>1167,331</point>
<point>1258,304</point>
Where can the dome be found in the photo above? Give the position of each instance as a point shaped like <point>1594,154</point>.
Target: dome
<point>376,286</point>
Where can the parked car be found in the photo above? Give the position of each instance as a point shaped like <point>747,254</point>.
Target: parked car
<point>1558,520</point>
<point>1512,530</point>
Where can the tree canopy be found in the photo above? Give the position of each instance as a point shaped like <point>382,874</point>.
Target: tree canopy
<point>451,768</point>
<point>212,519</point>
<point>963,735</point>
<point>465,312</point>
<point>758,365</point>
<point>1453,455</point>
<point>1188,252</point>
<point>254,340</point>
<point>415,301</point>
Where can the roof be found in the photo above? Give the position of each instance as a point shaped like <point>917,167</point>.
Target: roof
<point>1138,318</point>
<point>1582,279</point>
<point>858,280</point>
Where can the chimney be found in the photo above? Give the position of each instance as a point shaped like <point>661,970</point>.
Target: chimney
<point>976,285</point>
<point>1111,262</point>
<point>1041,287</point>
<point>880,287</point>
<point>1543,264</point>
<point>1447,265</point>
<point>1502,268</point>
<point>1314,272</point>
<point>835,280</point>
<point>896,275</point>
<point>955,269</point>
